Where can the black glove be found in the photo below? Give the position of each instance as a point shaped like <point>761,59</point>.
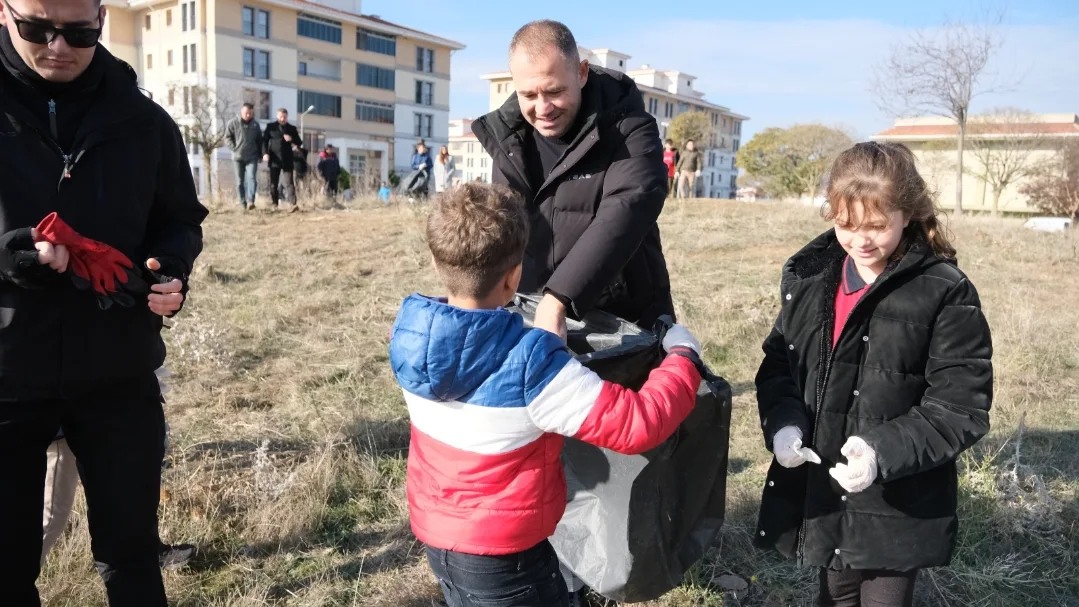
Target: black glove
<point>19,261</point>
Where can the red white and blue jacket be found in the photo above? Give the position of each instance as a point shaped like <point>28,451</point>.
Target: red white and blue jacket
<point>489,401</point>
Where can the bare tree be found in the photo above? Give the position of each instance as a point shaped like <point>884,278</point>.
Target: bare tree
<point>1003,145</point>
<point>939,71</point>
<point>1054,187</point>
<point>693,125</point>
<point>202,118</point>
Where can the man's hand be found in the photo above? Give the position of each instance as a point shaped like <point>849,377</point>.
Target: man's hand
<point>48,254</point>
<point>697,174</point>
<point>551,316</point>
<point>165,299</point>
<point>265,157</point>
<point>287,137</point>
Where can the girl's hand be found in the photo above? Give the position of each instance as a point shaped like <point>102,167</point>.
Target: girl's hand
<point>861,468</point>
<point>788,449</point>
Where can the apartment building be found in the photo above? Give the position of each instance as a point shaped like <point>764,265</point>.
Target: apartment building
<point>1006,143</point>
<point>367,86</point>
<point>667,93</point>
<point>473,162</point>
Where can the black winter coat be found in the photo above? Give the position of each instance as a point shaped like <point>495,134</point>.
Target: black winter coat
<point>274,144</point>
<point>910,374</point>
<point>118,174</point>
<point>594,237</point>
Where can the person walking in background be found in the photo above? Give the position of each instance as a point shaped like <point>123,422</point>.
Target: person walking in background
<point>278,139</point>
<point>329,167</point>
<point>670,158</point>
<point>881,357</point>
<point>445,167</point>
<point>689,169</point>
<point>244,137</point>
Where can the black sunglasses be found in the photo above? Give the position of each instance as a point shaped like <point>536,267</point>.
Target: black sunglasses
<point>36,32</point>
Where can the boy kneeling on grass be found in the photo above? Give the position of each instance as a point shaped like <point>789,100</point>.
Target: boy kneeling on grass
<point>490,400</point>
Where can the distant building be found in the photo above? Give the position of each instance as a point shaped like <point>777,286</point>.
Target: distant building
<point>471,159</point>
<point>932,139</point>
<point>667,93</point>
<point>373,87</point>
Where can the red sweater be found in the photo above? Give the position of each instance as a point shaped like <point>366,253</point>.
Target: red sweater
<point>850,292</point>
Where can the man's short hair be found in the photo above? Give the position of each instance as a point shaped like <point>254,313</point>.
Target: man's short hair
<point>248,106</point>
<point>476,232</point>
<point>282,110</point>
<point>536,37</point>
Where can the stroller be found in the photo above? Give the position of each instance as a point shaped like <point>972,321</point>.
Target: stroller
<point>415,184</point>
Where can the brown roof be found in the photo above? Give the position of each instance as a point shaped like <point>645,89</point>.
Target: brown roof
<point>951,130</point>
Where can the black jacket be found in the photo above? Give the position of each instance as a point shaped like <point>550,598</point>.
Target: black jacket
<point>594,236</point>
<point>128,184</point>
<point>274,144</point>
<point>910,374</point>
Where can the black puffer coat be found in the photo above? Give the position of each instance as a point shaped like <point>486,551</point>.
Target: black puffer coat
<point>594,236</point>
<point>910,374</point>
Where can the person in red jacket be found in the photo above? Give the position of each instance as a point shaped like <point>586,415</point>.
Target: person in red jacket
<point>490,400</point>
<point>670,158</point>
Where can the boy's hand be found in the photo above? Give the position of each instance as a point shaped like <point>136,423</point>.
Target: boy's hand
<point>679,336</point>
<point>788,449</point>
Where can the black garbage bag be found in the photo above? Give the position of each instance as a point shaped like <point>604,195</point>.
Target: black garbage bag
<point>635,524</point>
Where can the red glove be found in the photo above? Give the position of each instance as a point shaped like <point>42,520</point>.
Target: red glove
<point>95,264</point>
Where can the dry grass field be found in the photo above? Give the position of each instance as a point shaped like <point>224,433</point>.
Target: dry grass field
<point>289,436</point>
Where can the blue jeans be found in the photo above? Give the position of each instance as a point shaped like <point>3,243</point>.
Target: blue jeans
<point>245,181</point>
<point>524,579</point>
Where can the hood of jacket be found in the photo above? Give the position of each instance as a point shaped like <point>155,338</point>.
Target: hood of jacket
<point>442,352</point>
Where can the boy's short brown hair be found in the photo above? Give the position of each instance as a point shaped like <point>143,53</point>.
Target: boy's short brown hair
<point>476,232</point>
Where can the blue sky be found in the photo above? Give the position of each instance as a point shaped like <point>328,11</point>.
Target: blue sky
<point>779,62</point>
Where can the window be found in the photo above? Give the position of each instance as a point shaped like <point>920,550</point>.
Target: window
<point>377,77</point>
<point>668,110</point>
<point>732,163</point>
<point>371,111</point>
<point>262,24</point>
<point>302,68</point>
<point>653,105</point>
<point>149,61</point>
<point>168,17</point>
<point>318,28</point>
<point>172,96</point>
<point>734,182</point>
<point>425,59</point>
<point>187,12</point>
<point>375,42</point>
<point>425,92</point>
<point>146,22</point>
<point>498,87</point>
<point>325,105</point>
<point>256,22</point>
<point>423,125</point>
<point>168,57</point>
<point>735,145</point>
<point>261,102</point>
<point>190,64</point>
<point>257,64</point>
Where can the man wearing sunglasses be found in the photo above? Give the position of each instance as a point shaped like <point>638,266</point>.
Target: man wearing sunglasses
<point>102,173</point>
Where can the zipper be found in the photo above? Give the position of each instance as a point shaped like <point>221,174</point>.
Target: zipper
<point>52,120</point>
<point>827,353</point>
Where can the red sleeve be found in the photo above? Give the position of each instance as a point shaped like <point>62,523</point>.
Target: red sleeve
<point>633,422</point>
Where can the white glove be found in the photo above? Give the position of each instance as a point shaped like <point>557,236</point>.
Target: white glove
<point>679,335</point>
<point>788,449</point>
<point>861,468</point>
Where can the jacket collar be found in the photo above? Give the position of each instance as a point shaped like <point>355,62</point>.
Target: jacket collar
<point>825,253</point>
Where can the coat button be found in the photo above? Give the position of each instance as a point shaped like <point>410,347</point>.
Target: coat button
<point>788,296</point>
<point>857,393</point>
<point>843,498</point>
<point>771,483</point>
<point>762,534</point>
<point>837,550</point>
<point>865,338</point>
<point>790,347</point>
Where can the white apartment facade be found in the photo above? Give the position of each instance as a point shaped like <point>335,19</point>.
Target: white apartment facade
<point>473,162</point>
<point>666,93</point>
<point>367,86</point>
